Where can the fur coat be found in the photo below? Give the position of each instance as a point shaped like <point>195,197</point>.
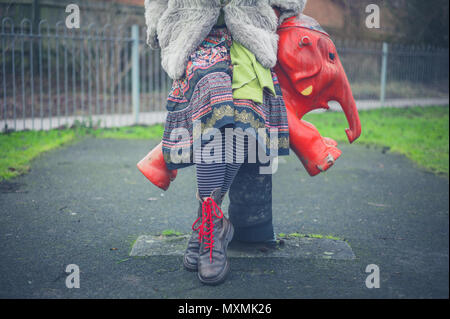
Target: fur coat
<point>179,26</point>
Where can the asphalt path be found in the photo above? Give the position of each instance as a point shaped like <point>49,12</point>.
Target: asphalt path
<point>86,204</point>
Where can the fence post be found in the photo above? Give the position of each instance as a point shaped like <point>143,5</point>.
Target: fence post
<point>384,64</point>
<point>135,89</point>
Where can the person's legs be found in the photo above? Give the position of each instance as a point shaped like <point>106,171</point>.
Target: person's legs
<point>211,173</point>
<point>231,170</point>
<point>212,231</point>
<point>213,176</point>
<point>222,171</point>
<point>237,149</point>
<point>210,177</point>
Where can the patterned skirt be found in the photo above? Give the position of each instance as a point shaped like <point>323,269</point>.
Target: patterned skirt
<point>203,100</point>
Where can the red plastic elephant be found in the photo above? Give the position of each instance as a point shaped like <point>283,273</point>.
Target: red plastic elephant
<point>310,75</point>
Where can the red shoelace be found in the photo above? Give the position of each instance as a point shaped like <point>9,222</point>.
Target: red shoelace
<point>206,228</point>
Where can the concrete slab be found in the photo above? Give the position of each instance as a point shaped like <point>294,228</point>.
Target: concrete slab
<point>291,247</point>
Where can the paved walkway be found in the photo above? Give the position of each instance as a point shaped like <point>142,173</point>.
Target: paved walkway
<point>86,204</point>
<point>116,120</point>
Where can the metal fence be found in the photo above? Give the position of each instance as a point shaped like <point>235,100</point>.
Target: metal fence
<point>381,71</point>
<point>107,76</point>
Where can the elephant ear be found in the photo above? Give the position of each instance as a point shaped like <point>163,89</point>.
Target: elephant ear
<point>292,54</point>
<point>295,52</point>
<point>300,61</point>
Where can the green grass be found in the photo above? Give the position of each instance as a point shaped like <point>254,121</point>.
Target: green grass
<point>133,132</point>
<point>420,133</point>
<point>17,149</point>
<point>170,233</point>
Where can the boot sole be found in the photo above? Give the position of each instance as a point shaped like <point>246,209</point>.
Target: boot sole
<point>222,276</point>
<point>189,267</point>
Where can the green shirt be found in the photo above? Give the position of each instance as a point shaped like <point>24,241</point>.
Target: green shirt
<point>249,76</point>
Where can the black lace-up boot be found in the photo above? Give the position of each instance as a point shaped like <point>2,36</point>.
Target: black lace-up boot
<point>215,233</point>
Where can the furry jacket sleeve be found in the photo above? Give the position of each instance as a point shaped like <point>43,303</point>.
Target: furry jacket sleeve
<point>179,26</point>
<point>288,8</point>
<point>153,11</point>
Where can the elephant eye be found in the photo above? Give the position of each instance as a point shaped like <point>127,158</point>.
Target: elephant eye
<point>332,56</point>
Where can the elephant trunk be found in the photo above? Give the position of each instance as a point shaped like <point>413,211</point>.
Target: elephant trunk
<point>348,104</point>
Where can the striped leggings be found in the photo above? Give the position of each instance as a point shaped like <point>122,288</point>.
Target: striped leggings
<point>218,171</point>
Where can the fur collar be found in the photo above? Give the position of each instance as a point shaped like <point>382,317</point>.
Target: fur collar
<point>178,31</point>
